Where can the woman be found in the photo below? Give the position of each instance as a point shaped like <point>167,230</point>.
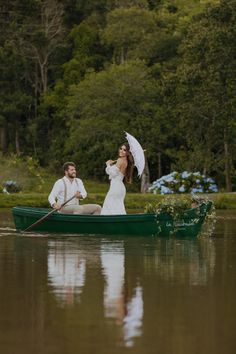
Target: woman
<point>119,170</point>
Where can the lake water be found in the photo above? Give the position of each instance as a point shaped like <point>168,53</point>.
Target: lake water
<point>108,295</point>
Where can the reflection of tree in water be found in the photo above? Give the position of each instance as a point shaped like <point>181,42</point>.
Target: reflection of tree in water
<point>183,260</point>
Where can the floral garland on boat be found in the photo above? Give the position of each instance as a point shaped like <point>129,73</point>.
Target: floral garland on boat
<point>175,207</point>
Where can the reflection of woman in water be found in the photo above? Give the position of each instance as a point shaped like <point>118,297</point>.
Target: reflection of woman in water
<point>126,310</point>
<point>119,170</point>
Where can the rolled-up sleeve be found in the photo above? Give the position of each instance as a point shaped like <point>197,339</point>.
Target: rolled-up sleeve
<point>52,198</point>
<point>82,190</point>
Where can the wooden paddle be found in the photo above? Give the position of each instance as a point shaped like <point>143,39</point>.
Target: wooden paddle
<point>47,215</point>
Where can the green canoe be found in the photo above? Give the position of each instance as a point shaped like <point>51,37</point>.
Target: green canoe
<point>189,224</point>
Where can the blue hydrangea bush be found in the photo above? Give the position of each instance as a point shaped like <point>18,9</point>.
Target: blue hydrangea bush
<point>11,187</point>
<point>185,182</point>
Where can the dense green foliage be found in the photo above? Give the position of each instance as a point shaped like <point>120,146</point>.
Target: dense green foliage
<point>76,74</point>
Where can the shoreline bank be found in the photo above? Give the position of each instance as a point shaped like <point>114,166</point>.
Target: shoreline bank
<point>132,201</point>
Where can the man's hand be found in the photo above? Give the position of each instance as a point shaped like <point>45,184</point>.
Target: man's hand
<point>56,206</point>
<point>78,195</point>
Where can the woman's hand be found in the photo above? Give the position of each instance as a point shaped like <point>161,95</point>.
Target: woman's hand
<point>110,162</point>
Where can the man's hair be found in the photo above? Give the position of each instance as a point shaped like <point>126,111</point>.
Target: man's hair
<point>67,165</point>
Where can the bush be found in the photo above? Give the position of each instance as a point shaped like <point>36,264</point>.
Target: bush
<point>25,170</point>
<point>185,182</point>
<point>11,187</point>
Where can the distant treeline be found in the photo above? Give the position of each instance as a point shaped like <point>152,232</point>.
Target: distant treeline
<point>76,74</point>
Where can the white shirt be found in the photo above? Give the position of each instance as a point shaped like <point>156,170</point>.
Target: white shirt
<point>58,191</point>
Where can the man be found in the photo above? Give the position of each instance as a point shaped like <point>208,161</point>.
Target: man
<point>67,187</point>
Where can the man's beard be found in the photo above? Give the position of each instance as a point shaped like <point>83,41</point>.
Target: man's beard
<point>71,175</point>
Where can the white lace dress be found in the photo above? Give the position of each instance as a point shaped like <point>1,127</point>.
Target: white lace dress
<point>114,201</point>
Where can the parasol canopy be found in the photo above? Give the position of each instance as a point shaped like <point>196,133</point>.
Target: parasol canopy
<point>137,152</point>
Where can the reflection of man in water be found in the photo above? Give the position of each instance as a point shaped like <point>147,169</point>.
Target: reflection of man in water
<point>66,272</point>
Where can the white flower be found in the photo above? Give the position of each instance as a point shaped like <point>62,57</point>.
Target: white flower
<point>5,191</point>
<point>165,190</point>
<point>185,174</point>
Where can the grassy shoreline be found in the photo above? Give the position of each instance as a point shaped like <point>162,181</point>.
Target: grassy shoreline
<point>132,201</point>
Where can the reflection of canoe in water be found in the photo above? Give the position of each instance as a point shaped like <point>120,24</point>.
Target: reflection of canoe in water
<point>188,224</point>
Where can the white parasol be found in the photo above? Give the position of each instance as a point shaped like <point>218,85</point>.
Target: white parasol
<point>137,152</point>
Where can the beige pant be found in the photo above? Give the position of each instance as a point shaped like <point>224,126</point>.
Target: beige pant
<point>93,209</point>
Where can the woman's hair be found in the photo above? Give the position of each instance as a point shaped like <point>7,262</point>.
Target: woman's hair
<point>130,167</point>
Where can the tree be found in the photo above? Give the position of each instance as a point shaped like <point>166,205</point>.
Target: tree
<point>208,89</point>
<point>51,126</point>
<point>88,54</point>
<point>130,31</point>
<point>41,35</point>
<point>15,99</point>
<point>113,4</point>
<point>105,105</point>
